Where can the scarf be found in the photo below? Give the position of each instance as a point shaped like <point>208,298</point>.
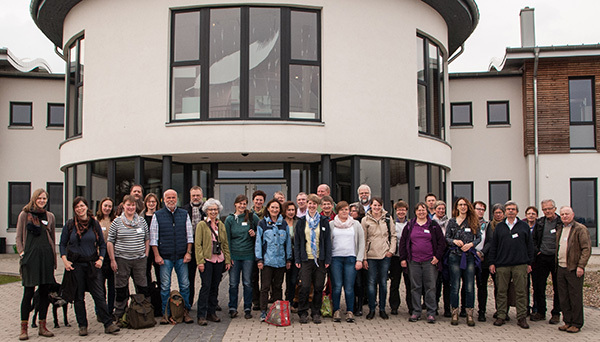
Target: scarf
<point>133,223</point>
<point>34,221</point>
<point>343,225</point>
<point>81,226</point>
<point>313,224</point>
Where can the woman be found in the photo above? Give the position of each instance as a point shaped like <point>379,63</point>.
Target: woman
<point>241,235</point>
<point>128,245</point>
<point>151,205</point>
<point>213,258</point>
<point>82,250</point>
<point>291,275</point>
<point>357,212</point>
<point>462,235</point>
<point>35,245</point>
<point>421,248</point>
<point>273,251</point>
<point>531,216</point>
<point>443,280</point>
<point>312,247</point>
<point>347,252</point>
<point>380,245</point>
<point>105,216</point>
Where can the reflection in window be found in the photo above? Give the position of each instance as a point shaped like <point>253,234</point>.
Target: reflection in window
<point>304,92</point>
<point>399,189</point>
<point>56,115</point>
<point>55,201</point>
<point>75,70</point>
<point>499,192</point>
<point>125,178</point>
<point>250,171</point>
<point>498,113</point>
<point>584,201</point>
<point>460,189</point>
<point>153,177</point>
<point>430,88</point>
<point>19,194</point>
<point>461,114</point>
<point>370,174</point>
<point>186,92</point>
<point>99,184</point>
<point>304,36</point>
<point>343,180</point>
<point>581,107</point>
<point>21,114</point>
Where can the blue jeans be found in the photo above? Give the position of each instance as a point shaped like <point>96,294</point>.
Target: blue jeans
<point>469,280</point>
<point>377,275</point>
<point>343,273</point>
<point>245,268</point>
<point>182,278</point>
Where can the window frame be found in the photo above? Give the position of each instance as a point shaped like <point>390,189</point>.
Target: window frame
<point>591,123</point>
<point>285,60</point>
<point>50,206</point>
<point>10,201</point>
<point>48,117</point>
<point>490,183</point>
<point>462,124</point>
<point>16,124</point>
<point>498,123</point>
<point>74,114</point>
<point>595,206</point>
<point>429,106</point>
<point>470,183</point>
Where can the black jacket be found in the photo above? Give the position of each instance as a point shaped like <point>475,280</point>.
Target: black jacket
<point>511,247</point>
<point>538,232</point>
<point>324,241</point>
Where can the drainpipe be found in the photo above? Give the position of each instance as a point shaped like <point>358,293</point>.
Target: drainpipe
<point>536,52</point>
<point>456,54</point>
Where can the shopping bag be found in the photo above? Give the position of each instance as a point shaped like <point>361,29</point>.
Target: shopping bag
<point>279,314</point>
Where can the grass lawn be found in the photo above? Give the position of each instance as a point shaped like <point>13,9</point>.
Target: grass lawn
<point>5,279</point>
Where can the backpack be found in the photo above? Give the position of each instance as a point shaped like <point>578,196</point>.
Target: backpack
<point>176,306</point>
<point>140,313</point>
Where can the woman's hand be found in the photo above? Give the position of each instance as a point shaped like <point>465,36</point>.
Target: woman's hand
<point>227,267</point>
<point>358,266</point>
<point>68,265</point>
<point>113,265</point>
<point>388,254</point>
<point>201,268</point>
<point>366,265</point>
<point>458,243</point>
<point>251,232</point>
<point>260,265</point>
<point>98,263</point>
<point>466,247</point>
<point>403,263</point>
<point>288,265</point>
<point>434,261</point>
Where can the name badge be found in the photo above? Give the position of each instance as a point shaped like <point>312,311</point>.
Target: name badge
<point>103,228</point>
<point>468,230</point>
<point>44,222</point>
<point>244,223</point>
<point>139,230</point>
<point>514,236</point>
<point>553,231</point>
<point>426,231</point>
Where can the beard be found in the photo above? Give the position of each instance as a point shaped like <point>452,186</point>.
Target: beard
<point>364,201</point>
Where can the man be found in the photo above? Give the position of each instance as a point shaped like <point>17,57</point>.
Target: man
<point>396,270</point>
<point>302,204</point>
<point>327,207</point>
<point>498,216</point>
<point>323,190</point>
<point>138,193</point>
<point>573,252</point>
<point>443,284</point>
<point>430,200</point>
<point>194,210</point>
<point>481,278</point>
<point>258,200</point>
<point>279,196</point>
<point>171,226</point>
<point>364,196</point>
<point>510,257</point>
<point>544,243</point>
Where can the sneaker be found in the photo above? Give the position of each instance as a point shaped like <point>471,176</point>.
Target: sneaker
<point>263,316</point>
<point>248,315</point>
<point>350,317</point>
<point>383,315</point>
<point>555,319</point>
<point>413,318</point>
<point>303,319</point>
<point>111,329</point>
<point>233,314</point>
<point>83,331</point>
<point>337,316</point>
<point>317,319</point>
<point>358,313</point>
<point>431,319</point>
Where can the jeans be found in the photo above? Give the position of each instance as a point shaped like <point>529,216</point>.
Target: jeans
<point>377,275</point>
<point>245,268</point>
<point>542,267</point>
<point>343,273</point>
<point>181,270</point>
<point>396,273</point>
<point>467,275</point>
<point>89,277</point>
<point>423,278</point>
<point>209,292</point>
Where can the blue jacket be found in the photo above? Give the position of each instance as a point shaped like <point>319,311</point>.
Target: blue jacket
<point>273,245</point>
<point>172,233</point>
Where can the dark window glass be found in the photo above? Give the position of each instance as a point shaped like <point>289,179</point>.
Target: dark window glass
<point>430,88</point>
<point>250,171</point>
<point>125,178</point>
<point>343,180</point>
<point>461,114</point>
<point>499,192</point>
<point>19,194</point>
<point>75,70</point>
<point>370,174</point>
<point>581,107</point>
<point>399,189</point>
<point>99,183</point>
<point>584,201</point>
<point>153,177</point>
<point>461,189</point>
<point>56,115</point>
<point>21,114</point>
<point>55,201</point>
<point>498,113</point>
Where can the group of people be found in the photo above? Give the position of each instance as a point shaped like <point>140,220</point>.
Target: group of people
<point>314,244</point>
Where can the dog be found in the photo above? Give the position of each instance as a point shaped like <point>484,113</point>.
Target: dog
<point>55,300</point>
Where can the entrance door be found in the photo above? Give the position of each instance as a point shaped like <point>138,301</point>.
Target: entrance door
<point>227,190</point>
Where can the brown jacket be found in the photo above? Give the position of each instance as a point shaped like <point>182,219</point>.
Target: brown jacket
<point>22,232</point>
<point>578,248</point>
<point>380,236</point>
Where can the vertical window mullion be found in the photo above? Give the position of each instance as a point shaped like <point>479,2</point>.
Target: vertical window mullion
<point>204,62</point>
<point>286,54</point>
<point>244,63</point>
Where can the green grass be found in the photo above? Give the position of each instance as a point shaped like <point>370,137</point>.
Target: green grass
<point>5,279</point>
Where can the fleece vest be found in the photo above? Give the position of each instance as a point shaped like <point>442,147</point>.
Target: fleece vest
<point>172,235</point>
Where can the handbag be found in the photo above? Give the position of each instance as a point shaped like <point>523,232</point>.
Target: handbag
<point>279,314</point>
<point>68,288</point>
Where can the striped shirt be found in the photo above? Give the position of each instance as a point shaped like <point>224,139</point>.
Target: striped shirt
<point>129,237</point>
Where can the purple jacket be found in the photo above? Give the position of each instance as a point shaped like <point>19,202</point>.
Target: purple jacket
<point>438,241</point>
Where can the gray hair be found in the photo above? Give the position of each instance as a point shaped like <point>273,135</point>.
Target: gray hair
<point>498,206</point>
<point>212,202</point>
<point>363,186</point>
<point>548,201</point>
<point>511,202</point>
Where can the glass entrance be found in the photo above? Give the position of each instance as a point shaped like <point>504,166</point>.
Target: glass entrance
<point>227,190</point>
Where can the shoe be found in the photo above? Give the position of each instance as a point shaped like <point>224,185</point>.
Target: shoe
<point>522,322</point>
<point>447,313</point>
<point>218,308</point>
<point>495,315</point>
<point>186,317</point>
<point>555,319</point>
<point>213,318</point>
<point>463,312</point>
<point>164,320</point>
<point>564,327</point>
<point>507,318</point>
<point>481,317</point>
<point>413,318</point>
<point>294,309</point>
<point>371,314</point>
<point>349,317</point>
<point>573,330</point>
<point>111,329</point>
<point>256,307</point>
<point>337,316</point>
<point>455,315</point>
<point>430,319</point>
<point>358,313</point>
<point>499,322</point>
<point>82,331</point>
<point>303,319</point>
<point>23,336</point>
<point>537,317</point>
<point>394,312</point>
<point>43,331</point>
<point>317,319</point>
<point>383,315</point>
<point>248,315</point>
<point>233,314</point>
<point>202,321</point>
<point>470,320</point>
<point>263,316</point>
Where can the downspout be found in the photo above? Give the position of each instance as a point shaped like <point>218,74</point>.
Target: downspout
<point>456,54</point>
<point>536,52</point>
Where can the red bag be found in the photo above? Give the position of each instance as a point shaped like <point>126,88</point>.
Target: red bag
<point>279,314</point>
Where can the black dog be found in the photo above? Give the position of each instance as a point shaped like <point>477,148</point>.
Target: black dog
<point>56,301</point>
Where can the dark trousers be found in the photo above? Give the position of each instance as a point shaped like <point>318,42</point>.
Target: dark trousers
<point>271,279</point>
<point>255,286</point>
<point>570,292</point>
<point>26,303</point>
<point>360,289</point>
<point>149,265</point>
<point>396,273</point>
<point>291,279</point>
<point>209,292</point>
<point>192,270</point>
<point>109,279</point>
<point>544,265</point>
<point>89,277</point>
<point>311,274</point>
<point>442,290</point>
<point>481,279</point>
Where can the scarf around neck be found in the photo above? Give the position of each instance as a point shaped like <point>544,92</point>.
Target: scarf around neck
<point>343,225</point>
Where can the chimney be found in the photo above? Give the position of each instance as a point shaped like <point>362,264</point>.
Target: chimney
<point>527,27</point>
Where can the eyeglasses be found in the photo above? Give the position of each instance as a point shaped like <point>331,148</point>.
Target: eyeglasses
<point>480,209</point>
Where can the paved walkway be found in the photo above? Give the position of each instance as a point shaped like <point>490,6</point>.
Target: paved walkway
<point>396,328</point>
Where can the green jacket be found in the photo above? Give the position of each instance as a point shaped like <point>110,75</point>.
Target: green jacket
<point>203,242</point>
<point>241,244</point>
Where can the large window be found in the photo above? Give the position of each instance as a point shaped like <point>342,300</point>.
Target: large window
<point>461,189</point>
<point>499,192</point>
<point>18,195</point>
<point>55,201</point>
<point>20,114</point>
<point>245,63</point>
<point>75,68</point>
<point>461,114</point>
<point>497,113</point>
<point>430,87</point>
<point>584,201</point>
<point>581,107</point>
<point>56,115</point>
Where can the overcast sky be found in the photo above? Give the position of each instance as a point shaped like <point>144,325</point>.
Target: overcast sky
<point>557,22</point>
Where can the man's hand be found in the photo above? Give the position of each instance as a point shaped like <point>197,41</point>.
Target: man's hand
<point>187,258</point>
<point>580,272</point>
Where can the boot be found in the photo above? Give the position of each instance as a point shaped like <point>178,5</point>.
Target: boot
<point>455,312</point>
<point>43,331</point>
<point>23,335</point>
<point>470,321</point>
